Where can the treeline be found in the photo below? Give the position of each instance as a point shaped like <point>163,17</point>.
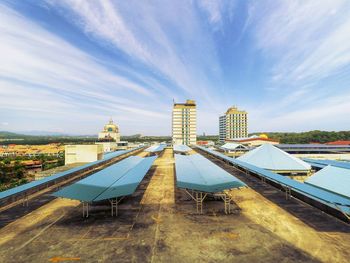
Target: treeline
<point>308,137</point>
<point>135,138</point>
<point>11,176</point>
<point>14,138</point>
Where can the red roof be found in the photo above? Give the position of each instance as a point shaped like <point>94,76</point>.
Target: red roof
<point>202,142</point>
<point>339,143</point>
<point>253,139</point>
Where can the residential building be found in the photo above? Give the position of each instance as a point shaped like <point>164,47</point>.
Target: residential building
<point>51,149</point>
<point>184,123</point>
<point>233,124</point>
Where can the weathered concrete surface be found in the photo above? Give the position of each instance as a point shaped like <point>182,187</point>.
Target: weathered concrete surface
<point>159,224</point>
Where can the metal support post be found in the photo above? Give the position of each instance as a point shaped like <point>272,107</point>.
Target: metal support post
<point>25,200</point>
<point>227,201</point>
<point>288,192</point>
<point>114,206</point>
<point>85,209</point>
<point>198,197</point>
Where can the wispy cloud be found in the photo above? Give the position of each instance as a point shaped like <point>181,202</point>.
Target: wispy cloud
<point>40,72</point>
<point>184,55</point>
<point>306,46</point>
<point>89,60</point>
<point>306,39</point>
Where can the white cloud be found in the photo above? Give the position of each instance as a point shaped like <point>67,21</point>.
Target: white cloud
<point>42,74</point>
<point>142,31</point>
<point>307,39</point>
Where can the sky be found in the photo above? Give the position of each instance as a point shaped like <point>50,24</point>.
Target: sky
<point>67,66</point>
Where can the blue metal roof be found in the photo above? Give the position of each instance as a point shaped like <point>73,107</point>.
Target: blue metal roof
<point>324,163</point>
<point>233,146</point>
<point>128,183</point>
<point>272,158</point>
<point>326,197</point>
<point>51,178</point>
<point>156,148</point>
<point>198,173</point>
<point>333,179</point>
<point>116,180</point>
<point>181,148</point>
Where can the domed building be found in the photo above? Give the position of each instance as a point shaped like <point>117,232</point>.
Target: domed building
<point>110,132</point>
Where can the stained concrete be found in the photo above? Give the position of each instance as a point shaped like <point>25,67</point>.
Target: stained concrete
<point>159,224</point>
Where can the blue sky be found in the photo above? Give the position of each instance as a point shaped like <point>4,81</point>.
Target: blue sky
<point>68,65</point>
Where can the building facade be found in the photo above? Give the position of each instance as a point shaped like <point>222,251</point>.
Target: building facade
<point>184,123</point>
<point>233,125</point>
<point>83,153</point>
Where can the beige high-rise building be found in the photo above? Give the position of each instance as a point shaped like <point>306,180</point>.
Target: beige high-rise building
<point>184,123</point>
<point>233,125</point>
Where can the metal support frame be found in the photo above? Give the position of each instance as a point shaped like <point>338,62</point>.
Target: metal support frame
<point>114,205</point>
<point>227,201</point>
<point>288,191</point>
<point>25,200</point>
<point>85,209</point>
<point>198,197</point>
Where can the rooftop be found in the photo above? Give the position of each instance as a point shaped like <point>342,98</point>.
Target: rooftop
<point>158,223</point>
<point>272,158</point>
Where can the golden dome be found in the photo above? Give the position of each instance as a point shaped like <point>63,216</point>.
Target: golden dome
<point>111,127</point>
<point>263,136</point>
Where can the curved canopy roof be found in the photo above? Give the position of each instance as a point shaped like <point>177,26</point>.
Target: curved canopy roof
<point>270,157</point>
<point>196,172</point>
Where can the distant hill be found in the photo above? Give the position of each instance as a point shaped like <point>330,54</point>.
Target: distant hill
<point>43,133</point>
<point>5,134</point>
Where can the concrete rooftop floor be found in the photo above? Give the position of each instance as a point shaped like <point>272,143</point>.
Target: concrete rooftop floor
<point>159,224</point>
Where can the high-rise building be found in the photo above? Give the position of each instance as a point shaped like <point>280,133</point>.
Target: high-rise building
<point>184,123</point>
<point>233,124</point>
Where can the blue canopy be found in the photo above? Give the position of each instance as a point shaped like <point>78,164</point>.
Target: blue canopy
<point>326,197</point>
<point>181,148</point>
<point>324,163</point>
<point>272,158</point>
<point>333,179</point>
<point>156,148</point>
<point>23,188</point>
<point>116,180</point>
<point>198,173</point>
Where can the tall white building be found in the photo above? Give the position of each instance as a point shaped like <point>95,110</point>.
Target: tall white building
<point>184,123</point>
<point>233,125</point>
